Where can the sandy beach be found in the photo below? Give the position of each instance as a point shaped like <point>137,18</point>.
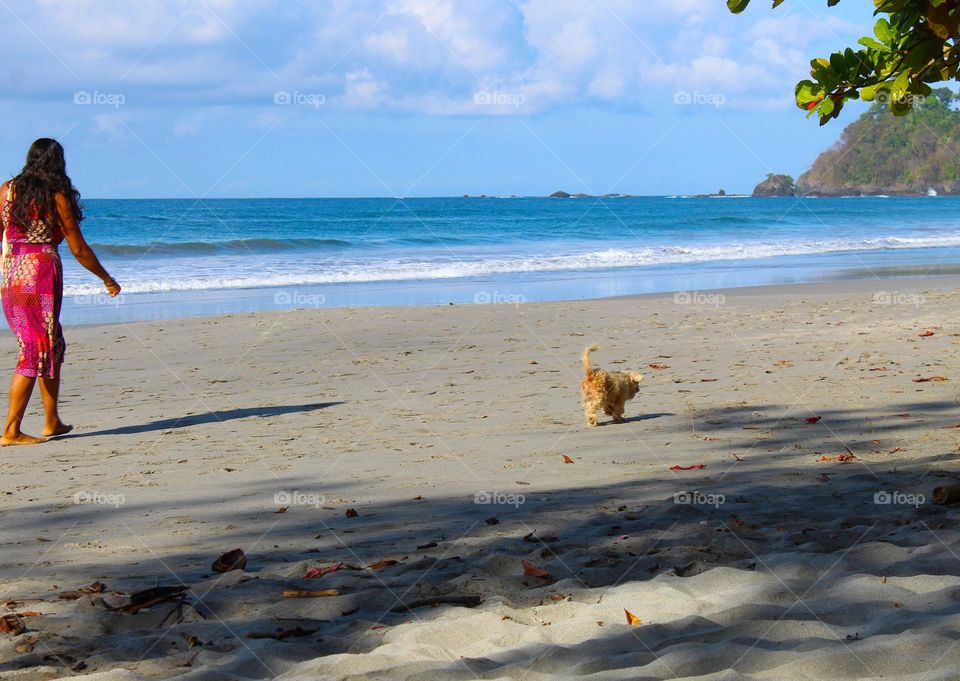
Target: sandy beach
<point>423,453</point>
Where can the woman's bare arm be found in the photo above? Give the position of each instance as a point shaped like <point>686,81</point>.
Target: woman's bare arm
<point>80,248</point>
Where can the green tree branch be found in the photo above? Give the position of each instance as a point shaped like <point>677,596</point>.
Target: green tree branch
<point>914,44</point>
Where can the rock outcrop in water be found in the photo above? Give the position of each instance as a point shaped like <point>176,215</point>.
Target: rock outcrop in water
<point>775,185</point>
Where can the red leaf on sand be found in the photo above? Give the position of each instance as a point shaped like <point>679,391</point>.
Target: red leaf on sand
<point>696,466</point>
<point>380,564</point>
<point>813,419</point>
<point>925,334</point>
<point>313,573</point>
<point>826,458</point>
<point>930,379</point>
<point>631,618</point>
<point>567,459</point>
<point>531,570</point>
<point>709,380</point>
<point>658,365</point>
<point>846,457</point>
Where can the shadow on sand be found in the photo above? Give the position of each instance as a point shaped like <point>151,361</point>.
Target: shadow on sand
<point>206,417</point>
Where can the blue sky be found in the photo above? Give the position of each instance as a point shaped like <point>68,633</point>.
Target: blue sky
<point>251,98</point>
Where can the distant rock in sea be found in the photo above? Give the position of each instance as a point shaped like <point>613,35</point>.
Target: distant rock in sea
<point>567,195</point>
<point>776,185</point>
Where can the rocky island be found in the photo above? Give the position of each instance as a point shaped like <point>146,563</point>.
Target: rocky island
<point>775,185</point>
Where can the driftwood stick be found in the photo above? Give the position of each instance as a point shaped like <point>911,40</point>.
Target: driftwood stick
<point>471,601</point>
<point>947,494</point>
<point>322,593</point>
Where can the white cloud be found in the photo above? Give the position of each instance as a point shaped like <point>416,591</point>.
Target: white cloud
<point>421,56</point>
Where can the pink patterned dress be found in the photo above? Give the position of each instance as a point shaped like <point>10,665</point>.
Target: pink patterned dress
<point>32,291</point>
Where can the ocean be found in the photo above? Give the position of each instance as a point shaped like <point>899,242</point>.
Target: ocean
<point>181,257</point>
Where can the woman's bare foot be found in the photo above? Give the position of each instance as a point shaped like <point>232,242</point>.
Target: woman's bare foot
<point>20,439</point>
<point>60,429</point>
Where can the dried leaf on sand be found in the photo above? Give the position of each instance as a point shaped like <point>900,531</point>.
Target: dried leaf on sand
<point>531,570</point>
<point>231,560</point>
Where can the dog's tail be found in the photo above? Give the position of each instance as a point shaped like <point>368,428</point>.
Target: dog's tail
<point>587,365</point>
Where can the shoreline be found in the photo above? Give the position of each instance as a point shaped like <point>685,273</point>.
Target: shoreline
<point>247,301</point>
<point>445,429</point>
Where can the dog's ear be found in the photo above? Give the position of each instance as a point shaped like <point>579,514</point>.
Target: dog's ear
<point>635,377</point>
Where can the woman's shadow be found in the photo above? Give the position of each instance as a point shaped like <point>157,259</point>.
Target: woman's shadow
<point>207,417</point>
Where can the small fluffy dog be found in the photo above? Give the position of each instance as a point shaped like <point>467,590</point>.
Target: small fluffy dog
<point>608,391</point>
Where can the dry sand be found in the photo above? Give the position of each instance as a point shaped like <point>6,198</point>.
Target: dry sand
<point>783,567</point>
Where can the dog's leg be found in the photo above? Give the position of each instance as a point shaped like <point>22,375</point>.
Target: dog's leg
<point>618,413</point>
<point>590,412</point>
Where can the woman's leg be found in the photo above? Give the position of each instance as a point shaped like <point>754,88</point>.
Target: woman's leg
<point>21,388</point>
<point>50,392</point>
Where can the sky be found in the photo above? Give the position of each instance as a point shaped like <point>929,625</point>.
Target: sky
<point>340,98</point>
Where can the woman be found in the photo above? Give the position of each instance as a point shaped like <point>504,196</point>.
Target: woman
<point>38,209</point>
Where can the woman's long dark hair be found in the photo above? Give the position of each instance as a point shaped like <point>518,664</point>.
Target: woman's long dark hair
<point>42,178</point>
